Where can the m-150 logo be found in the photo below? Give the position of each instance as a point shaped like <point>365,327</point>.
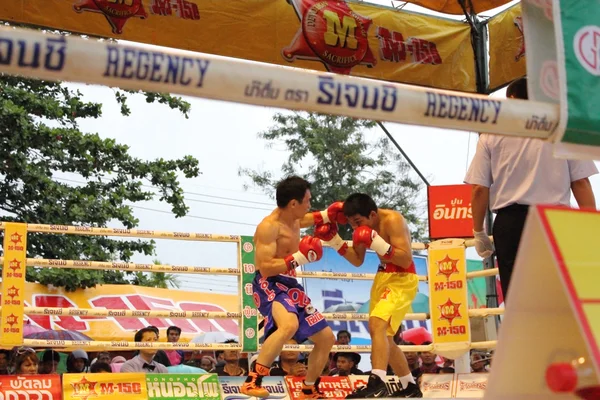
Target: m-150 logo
<point>118,12</point>
<point>332,33</point>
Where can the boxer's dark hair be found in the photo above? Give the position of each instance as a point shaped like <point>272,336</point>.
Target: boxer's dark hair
<point>359,203</point>
<point>291,188</point>
<point>517,89</point>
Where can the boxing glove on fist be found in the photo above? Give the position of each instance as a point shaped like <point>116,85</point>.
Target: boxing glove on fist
<point>363,235</point>
<point>334,214</point>
<point>309,250</point>
<point>329,234</point>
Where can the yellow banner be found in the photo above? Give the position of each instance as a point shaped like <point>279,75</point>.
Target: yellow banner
<point>127,297</point>
<point>453,6</point>
<point>104,386</point>
<point>448,288</point>
<point>507,47</point>
<point>326,35</point>
<point>13,289</point>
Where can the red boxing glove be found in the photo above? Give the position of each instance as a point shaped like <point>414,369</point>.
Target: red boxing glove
<point>369,238</point>
<point>309,250</point>
<point>334,214</point>
<point>329,234</point>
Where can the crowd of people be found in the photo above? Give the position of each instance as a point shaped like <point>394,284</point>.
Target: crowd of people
<point>26,361</point>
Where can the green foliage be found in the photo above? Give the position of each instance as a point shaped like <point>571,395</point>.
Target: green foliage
<point>156,279</point>
<point>334,154</point>
<point>40,137</point>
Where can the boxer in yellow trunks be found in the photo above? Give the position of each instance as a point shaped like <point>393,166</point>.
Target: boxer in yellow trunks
<point>394,287</point>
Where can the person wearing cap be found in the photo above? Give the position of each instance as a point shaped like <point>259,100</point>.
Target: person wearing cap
<point>510,174</point>
<point>78,362</point>
<point>346,364</point>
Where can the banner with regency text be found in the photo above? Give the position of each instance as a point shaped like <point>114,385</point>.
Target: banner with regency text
<point>337,36</point>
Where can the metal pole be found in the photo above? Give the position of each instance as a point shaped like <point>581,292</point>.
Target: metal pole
<point>404,154</point>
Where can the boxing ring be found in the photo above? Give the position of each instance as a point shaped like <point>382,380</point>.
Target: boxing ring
<point>41,55</point>
<point>242,316</point>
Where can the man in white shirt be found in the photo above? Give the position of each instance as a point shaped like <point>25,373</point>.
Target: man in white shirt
<point>144,361</point>
<point>509,174</point>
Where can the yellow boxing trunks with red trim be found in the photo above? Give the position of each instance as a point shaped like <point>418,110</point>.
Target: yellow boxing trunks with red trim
<point>392,295</point>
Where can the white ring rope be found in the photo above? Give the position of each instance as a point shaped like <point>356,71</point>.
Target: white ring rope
<point>154,234</point>
<point>116,345</point>
<point>123,266</point>
<point>35,54</point>
<point>186,269</point>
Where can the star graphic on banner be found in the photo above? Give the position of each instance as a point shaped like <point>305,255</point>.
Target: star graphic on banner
<point>84,389</point>
<point>16,238</point>
<point>14,265</point>
<point>12,319</point>
<point>13,292</point>
<point>449,311</point>
<point>447,266</point>
<point>332,33</point>
<point>117,14</point>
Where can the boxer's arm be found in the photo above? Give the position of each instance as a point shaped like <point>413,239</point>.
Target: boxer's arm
<point>400,240</point>
<point>265,240</point>
<point>308,220</point>
<point>356,255</point>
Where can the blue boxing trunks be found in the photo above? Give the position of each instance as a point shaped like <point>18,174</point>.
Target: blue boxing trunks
<point>288,292</point>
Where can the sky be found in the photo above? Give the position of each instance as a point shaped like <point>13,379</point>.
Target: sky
<point>223,137</point>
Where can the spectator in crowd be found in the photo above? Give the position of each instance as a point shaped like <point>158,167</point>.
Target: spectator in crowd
<point>103,357</point>
<point>116,363</point>
<point>428,364</point>
<point>4,359</point>
<point>412,358</point>
<point>176,357</point>
<point>346,364</point>
<point>24,361</point>
<point>448,362</point>
<point>220,357</point>
<point>208,363</point>
<point>100,367</point>
<point>343,338</point>
<point>144,361</point>
<point>289,363</point>
<point>232,363</point>
<point>479,361</point>
<point>50,361</point>
<point>160,356</point>
<point>78,362</point>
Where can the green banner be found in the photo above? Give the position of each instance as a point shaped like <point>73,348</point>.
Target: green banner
<point>578,41</point>
<point>183,386</point>
<point>249,334</point>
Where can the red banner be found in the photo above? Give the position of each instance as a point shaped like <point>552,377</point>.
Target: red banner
<point>25,387</point>
<point>450,214</point>
<point>333,387</point>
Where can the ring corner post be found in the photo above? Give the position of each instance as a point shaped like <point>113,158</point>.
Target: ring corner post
<point>249,319</point>
<point>449,309</point>
<point>13,284</point>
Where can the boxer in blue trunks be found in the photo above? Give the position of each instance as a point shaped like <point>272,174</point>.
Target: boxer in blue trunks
<point>279,297</point>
